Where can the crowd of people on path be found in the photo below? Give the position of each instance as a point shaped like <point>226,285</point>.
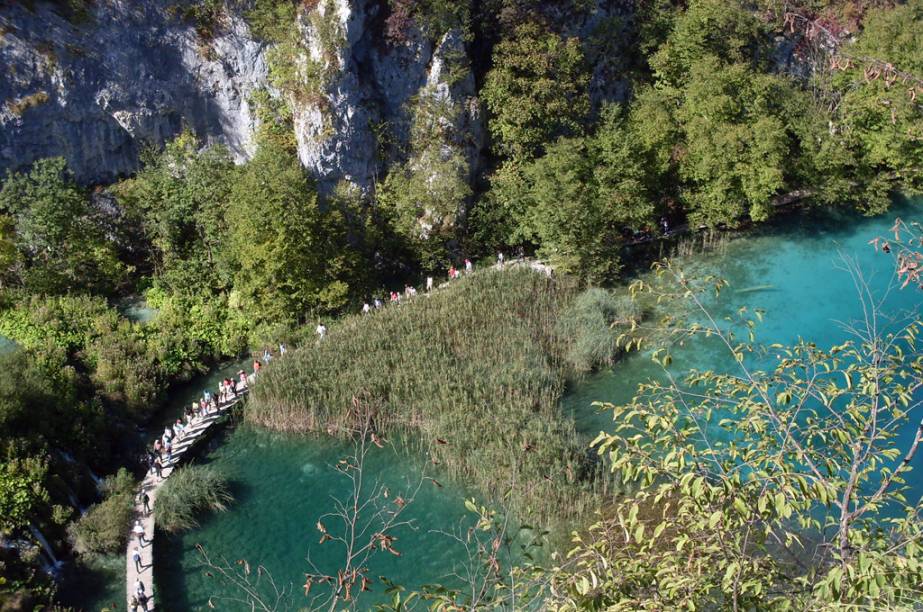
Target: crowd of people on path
<point>397,297</point>
<point>160,454</point>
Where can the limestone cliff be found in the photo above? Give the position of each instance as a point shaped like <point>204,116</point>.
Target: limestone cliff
<point>128,74</point>
<point>132,73</point>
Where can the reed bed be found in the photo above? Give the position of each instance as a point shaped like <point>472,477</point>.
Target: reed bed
<point>189,492</point>
<point>476,369</point>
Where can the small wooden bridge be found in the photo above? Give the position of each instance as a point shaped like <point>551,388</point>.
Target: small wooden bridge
<point>151,485</point>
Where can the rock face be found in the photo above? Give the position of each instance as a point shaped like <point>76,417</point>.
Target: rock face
<point>132,74</point>
<point>363,118</point>
<point>99,90</point>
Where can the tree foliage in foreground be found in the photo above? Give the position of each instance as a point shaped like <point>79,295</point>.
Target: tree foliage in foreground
<point>776,488</point>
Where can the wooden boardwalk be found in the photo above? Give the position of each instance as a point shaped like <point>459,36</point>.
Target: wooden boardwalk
<point>151,485</point>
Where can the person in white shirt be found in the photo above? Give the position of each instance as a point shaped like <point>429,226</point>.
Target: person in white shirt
<point>321,330</point>
<point>138,531</point>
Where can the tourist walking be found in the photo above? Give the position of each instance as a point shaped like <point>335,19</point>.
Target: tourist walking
<point>452,272</point>
<point>429,284</point>
<point>136,557</point>
<point>377,303</point>
<point>267,356</point>
<point>321,330</point>
<point>138,531</point>
<point>469,267</point>
<point>158,468</point>
<point>500,259</point>
<point>133,603</point>
<point>282,348</point>
<point>146,501</point>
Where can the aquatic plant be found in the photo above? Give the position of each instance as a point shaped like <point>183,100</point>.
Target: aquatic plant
<point>588,323</point>
<point>189,492</point>
<point>475,369</point>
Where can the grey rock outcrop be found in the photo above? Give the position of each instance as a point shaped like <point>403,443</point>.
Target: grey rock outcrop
<point>362,121</point>
<point>98,91</point>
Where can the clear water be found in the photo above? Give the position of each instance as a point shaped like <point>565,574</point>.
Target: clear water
<point>137,310</point>
<point>284,483</point>
<point>7,345</point>
<point>793,270</point>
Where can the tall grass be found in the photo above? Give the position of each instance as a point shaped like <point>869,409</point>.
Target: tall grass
<point>188,492</point>
<point>588,322</point>
<point>480,365</point>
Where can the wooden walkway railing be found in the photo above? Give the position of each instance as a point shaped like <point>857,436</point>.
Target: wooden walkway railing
<point>151,485</point>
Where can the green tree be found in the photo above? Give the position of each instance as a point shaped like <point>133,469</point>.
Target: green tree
<point>536,90</point>
<point>22,493</point>
<point>737,146</point>
<point>877,123</point>
<point>718,28</point>
<point>583,194</point>
<point>291,254</point>
<point>180,197</point>
<point>9,255</point>
<point>427,195</point>
<point>424,198</point>
<point>57,236</point>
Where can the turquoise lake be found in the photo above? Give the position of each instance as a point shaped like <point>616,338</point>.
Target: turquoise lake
<point>791,268</point>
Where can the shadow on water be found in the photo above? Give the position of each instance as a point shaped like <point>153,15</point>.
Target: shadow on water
<point>103,575</point>
<point>172,586</point>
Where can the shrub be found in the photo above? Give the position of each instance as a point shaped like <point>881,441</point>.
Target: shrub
<point>190,491</point>
<point>123,367</point>
<point>66,321</point>
<point>21,105</point>
<point>105,526</point>
<point>592,324</point>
